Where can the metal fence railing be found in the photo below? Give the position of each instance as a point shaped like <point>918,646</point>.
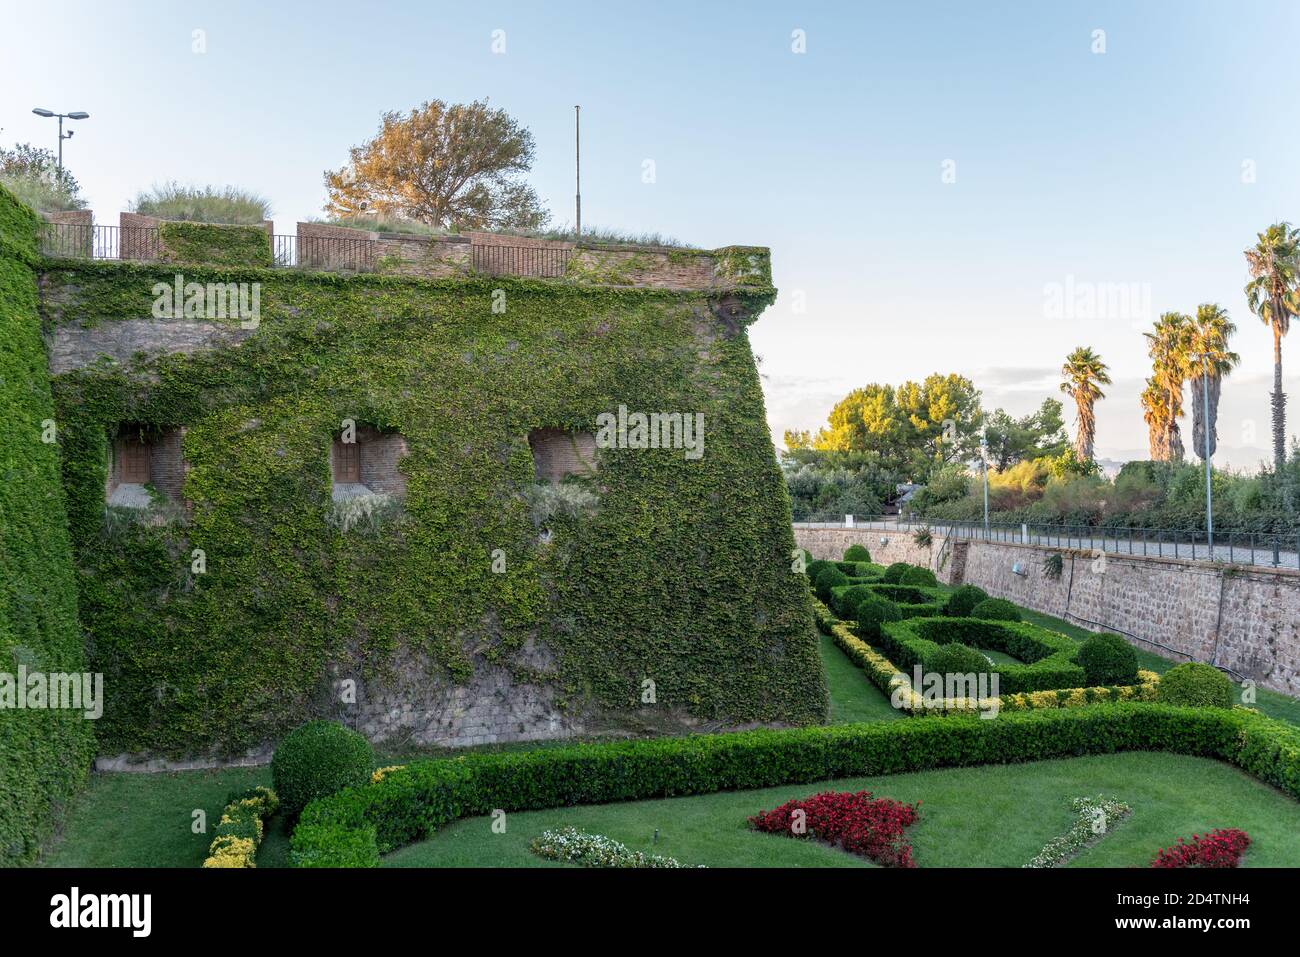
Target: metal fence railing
<point>540,261</point>
<point>326,253</point>
<point>1239,548</point>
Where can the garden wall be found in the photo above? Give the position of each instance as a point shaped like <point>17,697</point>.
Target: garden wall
<point>490,605</point>
<point>44,753</point>
<point>1245,618</point>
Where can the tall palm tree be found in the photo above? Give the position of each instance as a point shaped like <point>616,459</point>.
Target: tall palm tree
<point>1084,374</point>
<point>1209,335</point>
<point>1167,344</point>
<point>1272,294</point>
<point>1155,412</point>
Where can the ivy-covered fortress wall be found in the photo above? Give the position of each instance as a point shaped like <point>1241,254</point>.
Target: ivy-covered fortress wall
<point>44,752</point>
<point>654,593</point>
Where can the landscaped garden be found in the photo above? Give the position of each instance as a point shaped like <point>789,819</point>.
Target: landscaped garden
<point>1098,756</point>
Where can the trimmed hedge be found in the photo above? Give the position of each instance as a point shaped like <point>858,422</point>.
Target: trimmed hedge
<point>239,832</point>
<point>317,759</point>
<point>893,575</point>
<point>857,553</point>
<point>828,578</point>
<point>886,676</point>
<point>1196,684</point>
<point>873,613</point>
<point>956,658</point>
<point>352,828</point>
<point>1047,657</point>
<point>963,601</point>
<point>1108,659</point>
<point>916,575</point>
<point>996,609</point>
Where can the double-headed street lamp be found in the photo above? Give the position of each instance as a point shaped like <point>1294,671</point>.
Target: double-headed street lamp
<point>78,115</point>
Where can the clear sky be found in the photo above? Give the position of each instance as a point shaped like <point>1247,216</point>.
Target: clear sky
<point>1152,163</point>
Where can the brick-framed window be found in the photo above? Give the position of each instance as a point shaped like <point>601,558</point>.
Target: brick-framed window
<point>369,461</point>
<point>559,453</point>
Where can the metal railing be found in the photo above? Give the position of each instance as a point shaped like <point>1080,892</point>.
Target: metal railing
<point>541,261</point>
<point>1275,550</point>
<point>325,253</point>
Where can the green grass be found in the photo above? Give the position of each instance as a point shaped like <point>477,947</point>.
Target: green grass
<point>145,820</point>
<point>994,816</point>
<point>853,697</point>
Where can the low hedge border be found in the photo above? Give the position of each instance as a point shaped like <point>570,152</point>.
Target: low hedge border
<point>352,828</point>
<point>1049,658</point>
<point>239,832</point>
<point>886,676</point>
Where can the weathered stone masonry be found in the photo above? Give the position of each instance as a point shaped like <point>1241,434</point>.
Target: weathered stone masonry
<point>1246,618</point>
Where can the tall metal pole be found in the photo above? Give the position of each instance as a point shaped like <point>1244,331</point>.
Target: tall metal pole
<point>60,144</point>
<point>577,169</point>
<point>1209,500</point>
<point>984,467</point>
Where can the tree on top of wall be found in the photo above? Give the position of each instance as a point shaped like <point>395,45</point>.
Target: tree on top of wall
<point>453,166</point>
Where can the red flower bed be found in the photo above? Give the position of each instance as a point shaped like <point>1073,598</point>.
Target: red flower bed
<point>862,825</point>
<point>1221,848</point>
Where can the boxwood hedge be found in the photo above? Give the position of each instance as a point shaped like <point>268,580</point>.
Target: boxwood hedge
<point>1047,658</point>
<point>353,827</point>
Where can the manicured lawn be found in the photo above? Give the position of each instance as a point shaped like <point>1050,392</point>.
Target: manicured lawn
<point>853,697</point>
<point>996,816</point>
<point>145,820</point>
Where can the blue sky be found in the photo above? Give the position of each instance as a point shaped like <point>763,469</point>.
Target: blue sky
<point>1122,167</point>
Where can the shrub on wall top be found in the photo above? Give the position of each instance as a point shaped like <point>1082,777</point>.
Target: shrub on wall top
<point>857,553</point>
<point>1108,660</point>
<point>318,759</point>
<point>1196,685</point>
<point>963,601</point>
<point>999,609</point>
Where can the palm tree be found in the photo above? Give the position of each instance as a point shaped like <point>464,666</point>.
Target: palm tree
<point>1272,294</point>
<point>1167,344</point>
<point>1155,411</point>
<point>1084,374</point>
<point>1208,337</point>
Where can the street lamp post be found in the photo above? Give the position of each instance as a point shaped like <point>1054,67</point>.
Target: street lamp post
<point>984,468</point>
<point>1205,408</point>
<point>76,115</point>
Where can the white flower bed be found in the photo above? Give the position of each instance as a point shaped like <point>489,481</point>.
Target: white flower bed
<point>594,850</point>
<point>1096,817</point>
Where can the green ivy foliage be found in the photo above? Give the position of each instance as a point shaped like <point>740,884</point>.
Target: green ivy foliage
<point>680,574</point>
<point>215,244</point>
<point>44,754</point>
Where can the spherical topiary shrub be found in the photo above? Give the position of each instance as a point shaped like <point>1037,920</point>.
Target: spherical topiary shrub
<point>846,605</point>
<point>317,759</point>
<point>894,573</point>
<point>1108,660</point>
<point>1196,685</point>
<point>916,575</point>
<point>857,553</point>
<point>814,568</point>
<point>828,578</point>
<point>957,659</point>
<point>996,609</point>
<point>874,611</point>
<point>964,599</point>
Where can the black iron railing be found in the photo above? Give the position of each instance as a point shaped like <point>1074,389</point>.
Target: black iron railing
<point>540,261</point>
<point>70,240</point>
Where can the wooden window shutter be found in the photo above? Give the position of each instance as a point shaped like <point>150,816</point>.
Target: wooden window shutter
<point>133,461</point>
<point>347,462</point>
